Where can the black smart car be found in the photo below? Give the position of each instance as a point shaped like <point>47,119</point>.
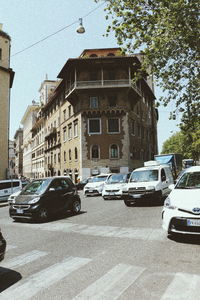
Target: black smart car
<point>2,246</point>
<point>44,197</point>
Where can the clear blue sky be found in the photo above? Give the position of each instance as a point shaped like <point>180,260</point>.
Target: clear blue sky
<point>28,21</point>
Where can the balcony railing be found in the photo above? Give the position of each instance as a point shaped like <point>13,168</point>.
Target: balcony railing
<point>102,84</point>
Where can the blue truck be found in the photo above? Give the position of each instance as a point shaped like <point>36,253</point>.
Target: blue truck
<point>172,159</point>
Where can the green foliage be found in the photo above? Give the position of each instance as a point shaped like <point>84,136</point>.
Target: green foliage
<point>174,144</point>
<point>167,33</point>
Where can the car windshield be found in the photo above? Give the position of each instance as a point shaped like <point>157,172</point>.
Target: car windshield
<point>144,176</point>
<point>36,187</point>
<point>117,178</point>
<point>98,179</point>
<point>189,180</point>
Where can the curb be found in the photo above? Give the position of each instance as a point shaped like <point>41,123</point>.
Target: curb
<point>4,204</point>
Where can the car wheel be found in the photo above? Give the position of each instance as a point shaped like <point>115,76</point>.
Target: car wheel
<point>43,214</point>
<point>127,203</point>
<point>76,207</point>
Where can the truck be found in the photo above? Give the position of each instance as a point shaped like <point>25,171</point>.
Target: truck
<point>187,162</point>
<point>172,159</point>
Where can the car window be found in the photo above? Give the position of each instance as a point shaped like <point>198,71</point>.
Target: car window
<point>163,175</point>
<point>144,176</point>
<point>56,184</point>
<point>189,180</point>
<point>117,178</point>
<point>35,187</point>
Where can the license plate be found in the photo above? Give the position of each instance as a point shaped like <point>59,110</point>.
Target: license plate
<point>20,211</point>
<point>90,191</point>
<point>193,222</point>
<point>111,194</point>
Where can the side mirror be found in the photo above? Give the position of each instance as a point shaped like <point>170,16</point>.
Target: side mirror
<point>171,186</point>
<point>51,190</point>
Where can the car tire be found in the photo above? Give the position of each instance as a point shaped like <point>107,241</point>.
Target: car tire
<point>43,214</point>
<point>127,203</point>
<point>76,207</point>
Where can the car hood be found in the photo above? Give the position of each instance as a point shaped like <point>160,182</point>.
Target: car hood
<point>24,199</point>
<point>185,199</point>
<point>114,185</point>
<point>142,184</point>
<point>94,184</point>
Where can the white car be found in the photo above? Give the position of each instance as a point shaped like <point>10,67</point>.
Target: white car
<point>181,212</point>
<point>95,185</point>
<point>115,186</point>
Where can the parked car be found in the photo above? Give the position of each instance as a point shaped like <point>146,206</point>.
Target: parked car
<point>115,186</point>
<point>2,246</point>
<point>44,197</point>
<point>149,182</point>
<point>80,185</point>
<point>8,187</point>
<point>12,197</point>
<point>181,212</point>
<point>95,185</point>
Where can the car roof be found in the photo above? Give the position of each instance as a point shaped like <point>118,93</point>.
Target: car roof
<point>152,167</point>
<point>192,169</point>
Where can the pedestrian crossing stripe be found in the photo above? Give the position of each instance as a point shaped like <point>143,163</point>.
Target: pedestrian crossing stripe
<point>41,280</point>
<point>112,284</point>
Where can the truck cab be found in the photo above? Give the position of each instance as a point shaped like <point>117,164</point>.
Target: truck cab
<point>149,182</point>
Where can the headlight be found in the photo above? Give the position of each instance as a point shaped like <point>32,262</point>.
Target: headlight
<point>167,204</point>
<point>34,200</point>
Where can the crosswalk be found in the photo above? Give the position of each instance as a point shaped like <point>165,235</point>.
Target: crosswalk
<point>147,234</point>
<point>112,284</point>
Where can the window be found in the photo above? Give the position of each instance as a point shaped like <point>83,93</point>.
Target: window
<point>69,110</point>
<point>133,127</point>
<point>59,157</point>
<point>95,152</point>
<point>94,126</point>
<point>94,102</point>
<point>54,158</point>
<point>65,158</point>
<point>76,128</point>
<point>75,153</point>
<point>70,154</point>
<point>64,114</point>
<point>93,55</point>
<point>69,131</point>
<point>112,100</point>
<point>114,153</point>
<point>64,134</point>
<point>113,125</point>
<point>0,54</point>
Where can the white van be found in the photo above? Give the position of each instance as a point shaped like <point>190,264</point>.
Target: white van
<point>8,187</point>
<point>149,182</point>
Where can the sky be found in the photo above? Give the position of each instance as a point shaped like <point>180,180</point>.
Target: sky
<point>30,21</point>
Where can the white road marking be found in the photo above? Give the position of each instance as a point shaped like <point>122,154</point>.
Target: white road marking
<point>183,287</point>
<point>151,234</point>
<point>39,281</point>
<point>23,259</point>
<point>112,284</point>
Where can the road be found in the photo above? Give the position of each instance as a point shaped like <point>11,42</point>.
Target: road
<point>109,251</point>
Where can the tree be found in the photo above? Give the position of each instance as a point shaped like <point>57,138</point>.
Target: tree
<point>167,33</point>
<point>174,144</point>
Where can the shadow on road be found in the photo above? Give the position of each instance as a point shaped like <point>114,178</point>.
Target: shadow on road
<point>8,277</point>
<point>185,238</point>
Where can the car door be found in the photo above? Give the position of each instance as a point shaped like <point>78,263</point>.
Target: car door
<point>164,182</point>
<point>54,196</point>
<point>68,191</point>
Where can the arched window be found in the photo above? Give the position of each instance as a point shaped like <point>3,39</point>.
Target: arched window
<point>95,151</point>
<point>75,153</point>
<point>114,151</point>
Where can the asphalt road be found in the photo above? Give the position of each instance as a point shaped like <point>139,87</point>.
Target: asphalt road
<point>108,251</point>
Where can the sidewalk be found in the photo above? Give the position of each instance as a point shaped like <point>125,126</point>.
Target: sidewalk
<point>2,204</point>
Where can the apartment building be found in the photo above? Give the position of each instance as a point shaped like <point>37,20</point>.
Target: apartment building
<point>18,138</point>
<point>6,80</point>
<point>108,122</point>
<point>28,121</point>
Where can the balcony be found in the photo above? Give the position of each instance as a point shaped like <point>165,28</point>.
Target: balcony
<point>99,84</point>
<point>52,132</point>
